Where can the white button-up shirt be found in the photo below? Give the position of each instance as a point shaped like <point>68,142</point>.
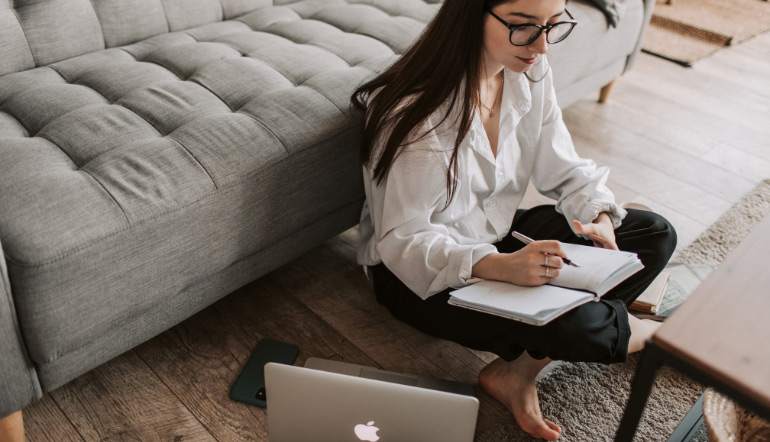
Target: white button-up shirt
<point>430,249</point>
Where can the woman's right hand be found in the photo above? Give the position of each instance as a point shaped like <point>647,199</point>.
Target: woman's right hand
<point>535,264</point>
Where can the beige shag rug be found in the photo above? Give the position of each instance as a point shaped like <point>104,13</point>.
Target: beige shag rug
<point>713,246</point>
<point>685,31</point>
<point>588,400</point>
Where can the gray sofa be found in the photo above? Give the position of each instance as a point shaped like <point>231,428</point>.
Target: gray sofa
<point>155,155</point>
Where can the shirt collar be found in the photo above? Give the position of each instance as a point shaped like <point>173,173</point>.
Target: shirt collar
<point>515,103</point>
<point>517,97</point>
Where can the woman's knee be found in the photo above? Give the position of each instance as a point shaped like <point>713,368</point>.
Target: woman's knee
<point>647,233</point>
<point>666,231</point>
<point>593,332</point>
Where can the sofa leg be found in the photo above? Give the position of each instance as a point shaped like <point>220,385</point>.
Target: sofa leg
<point>12,428</point>
<point>604,93</point>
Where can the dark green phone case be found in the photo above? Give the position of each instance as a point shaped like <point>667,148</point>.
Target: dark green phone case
<point>250,385</point>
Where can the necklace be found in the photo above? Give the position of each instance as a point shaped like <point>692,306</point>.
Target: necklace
<point>492,109</point>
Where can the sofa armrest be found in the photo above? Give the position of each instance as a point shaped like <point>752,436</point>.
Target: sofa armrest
<point>649,5</point>
<point>19,385</point>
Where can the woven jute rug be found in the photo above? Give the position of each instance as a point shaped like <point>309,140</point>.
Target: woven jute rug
<point>588,400</point>
<point>685,31</point>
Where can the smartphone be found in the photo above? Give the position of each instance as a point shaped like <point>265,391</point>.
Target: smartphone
<point>250,385</point>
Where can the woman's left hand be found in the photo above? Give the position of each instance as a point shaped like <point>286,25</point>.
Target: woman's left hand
<point>601,231</point>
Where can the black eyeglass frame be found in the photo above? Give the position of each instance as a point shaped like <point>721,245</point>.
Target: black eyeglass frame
<point>546,28</point>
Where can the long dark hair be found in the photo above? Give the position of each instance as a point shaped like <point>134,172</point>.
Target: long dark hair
<point>442,65</point>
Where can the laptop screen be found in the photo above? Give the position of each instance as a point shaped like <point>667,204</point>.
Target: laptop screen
<point>306,404</point>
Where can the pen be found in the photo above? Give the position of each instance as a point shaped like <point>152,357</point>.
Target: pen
<point>526,240</point>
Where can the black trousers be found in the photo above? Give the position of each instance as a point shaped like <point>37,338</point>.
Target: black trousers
<point>593,332</point>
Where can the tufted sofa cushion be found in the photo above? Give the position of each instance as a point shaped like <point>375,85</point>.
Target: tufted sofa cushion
<point>38,32</point>
<point>174,157</point>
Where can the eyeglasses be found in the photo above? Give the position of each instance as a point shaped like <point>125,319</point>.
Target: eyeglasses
<point>523,35</point>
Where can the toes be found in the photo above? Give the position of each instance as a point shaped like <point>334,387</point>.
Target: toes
<point>553,426</point>
<point>545,433</point>
<point>548,433</point>
<point>544,429</point>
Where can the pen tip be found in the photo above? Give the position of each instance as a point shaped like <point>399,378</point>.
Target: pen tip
<point>574,264</point>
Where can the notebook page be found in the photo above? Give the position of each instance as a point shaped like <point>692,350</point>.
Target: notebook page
<point>527,301</point>
<point>596,265</point>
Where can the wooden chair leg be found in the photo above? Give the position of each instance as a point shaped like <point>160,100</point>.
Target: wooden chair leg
<point>604,93</point>
<point>12,428</point>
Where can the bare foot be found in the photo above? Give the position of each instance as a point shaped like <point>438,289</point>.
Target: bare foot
<point>513,385</point>
<point>641,331</point>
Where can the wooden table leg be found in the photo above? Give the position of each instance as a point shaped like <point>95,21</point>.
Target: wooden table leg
<point>644,378</point>
<point>12,428</point>
<point>604,93</point>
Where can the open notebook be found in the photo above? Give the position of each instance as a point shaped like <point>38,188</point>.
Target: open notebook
<point>600,270</point>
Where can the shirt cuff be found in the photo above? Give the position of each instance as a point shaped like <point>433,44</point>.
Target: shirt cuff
<point>594,208</point>
<point>465,276</point>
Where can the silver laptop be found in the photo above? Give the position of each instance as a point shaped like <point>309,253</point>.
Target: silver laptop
<point>332,401</point>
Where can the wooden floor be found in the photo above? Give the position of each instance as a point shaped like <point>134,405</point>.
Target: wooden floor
<point>686,142</point>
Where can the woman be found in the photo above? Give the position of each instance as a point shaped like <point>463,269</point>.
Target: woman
<point>454,132</point>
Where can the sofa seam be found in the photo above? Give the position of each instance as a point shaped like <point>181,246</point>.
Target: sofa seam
<point>62,352</point>
<point>31,370</point>
<point>76,250</point>
<point>165,15</point>
<point>222,8</point>
<point>26,131</point>
<point>86,246</point>
<point>21,123</point>
<point>101,26</point>
<point>26,37</point>
<point>319,93</point>
<point>269,130</point>
<point>197,161</point>
<point>209,90</point>
<point>112,197</point>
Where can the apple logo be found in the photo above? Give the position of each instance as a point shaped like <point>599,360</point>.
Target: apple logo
<point>367,432</point>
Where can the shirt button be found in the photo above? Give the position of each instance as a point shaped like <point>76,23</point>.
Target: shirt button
<point>500,176</point>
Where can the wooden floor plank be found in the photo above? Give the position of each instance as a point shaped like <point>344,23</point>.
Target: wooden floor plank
<point>198,360</point>
<point>738,68</point>
<point>693,91</point>
<point>124,400</point>
<point>748,165</point>
<point>618,116</point>
<point>708,88</point>
<point>642,94</point>
<point>682,190</point>
<point>265,309</point>
<point>638,151</point>
<point>758,46</point>
<point>44,421</point>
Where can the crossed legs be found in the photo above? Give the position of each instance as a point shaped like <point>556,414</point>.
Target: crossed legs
<point>513,383</point>
<point>600,332</point>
